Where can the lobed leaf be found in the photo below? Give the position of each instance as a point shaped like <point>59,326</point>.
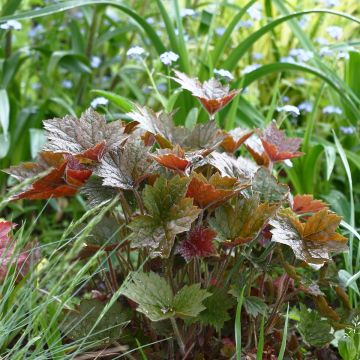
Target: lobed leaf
<point>125,167</point>
<point>312,241</point>
<point>212,94</point>
<point>156,301</point>
<point>277,146</point>
<point>242,223</point>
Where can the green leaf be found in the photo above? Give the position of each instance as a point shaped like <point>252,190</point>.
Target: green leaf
<point>314,329</point>
<point>347,279</point>
<point>122,103</point>
<point>79,325</point>
<point>4,144</point>
<point>240,224</point>
<point>69,60</point>
<point>156,300</point>
<point>217,309</point>
<point>188,302</point>
<point>4,111</point>
<point>37,141</point>
<point>268,187</point>
<point>255,306</point>
<point>169,214</point>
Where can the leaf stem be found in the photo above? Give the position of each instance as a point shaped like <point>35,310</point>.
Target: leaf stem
<point>178,335</point>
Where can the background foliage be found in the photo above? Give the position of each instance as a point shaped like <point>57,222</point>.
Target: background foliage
<point>68,53</point>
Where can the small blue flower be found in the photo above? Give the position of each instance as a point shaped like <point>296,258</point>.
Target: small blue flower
<point>161,87</point>
<point>167,58</point>
<point>257,56</point>
<point>246,24</point>
<point>291,109</point>
<point>342,55</point>
<point>285,99</point>
<point>11,25</point>
<point>300,81</point>
<point>98,101</point>
<point>36,31</point>
<point>330,109</point>
<point>250,68</point>
<point>223,74</point>
<point>150,20</point>
<point>79,15</point>
<point>36,86</point>
<point>95,62</point>
<point>136,52</point>
<point>301,54</point>
<point>255,12</point>
<point>331,3</point>
<point>220,31</point>
<point>287,59</point>
<point>321,41</point>
<point>347,130</point>
<point>326,51</point>
<point>67,84</point>
<point>335,32</point>
<point>188,13</point>
<point>306,106</point>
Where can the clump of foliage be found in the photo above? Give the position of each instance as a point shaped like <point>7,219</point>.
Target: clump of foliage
<point>199,232</point>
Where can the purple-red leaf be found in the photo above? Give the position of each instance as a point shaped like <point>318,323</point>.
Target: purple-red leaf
<point>89,136</point>
<point>277,146</point>
<point>212,94</point>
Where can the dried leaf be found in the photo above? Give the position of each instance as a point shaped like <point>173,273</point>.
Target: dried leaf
<point>89,136</point>
<point>307,204</point>
<point>235,138</point>
<point>212,94</point>
<point>312,241</point>
<point>242,223</point>
<point>170,213</point>
<point>126,167</point>
<point>198,243</point>
<point>277,146</point>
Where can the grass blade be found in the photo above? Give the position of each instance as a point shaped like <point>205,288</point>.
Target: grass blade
<point>260,349</point>
<point>225,38</point>
<point>283,340</point>
<point>241,49</point>
<point>238,325</point>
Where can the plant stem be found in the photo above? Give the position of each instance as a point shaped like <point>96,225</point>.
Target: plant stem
<point>178,336</point>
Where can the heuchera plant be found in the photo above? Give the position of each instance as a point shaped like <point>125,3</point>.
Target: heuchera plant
<point>201,221</point>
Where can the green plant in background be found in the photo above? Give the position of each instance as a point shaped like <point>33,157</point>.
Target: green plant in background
<point>293,62</point>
